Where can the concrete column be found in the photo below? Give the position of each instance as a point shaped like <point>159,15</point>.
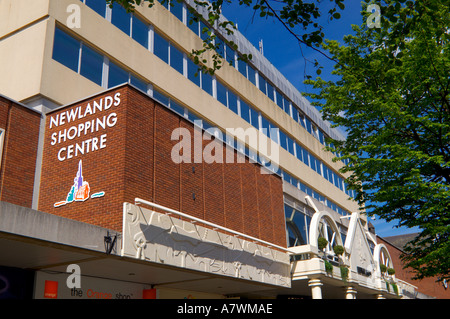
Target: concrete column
<point>380,296</point>
<point>350,293</point>
<point>316,289</point>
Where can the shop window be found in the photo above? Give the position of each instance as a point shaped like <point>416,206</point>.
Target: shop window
<point>66,49</point>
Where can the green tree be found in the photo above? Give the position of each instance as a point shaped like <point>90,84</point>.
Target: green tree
<point>392,97</point>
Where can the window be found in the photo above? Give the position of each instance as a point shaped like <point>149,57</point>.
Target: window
<point>192,22</point>
<point>193,72</point>
<point>140,32</point>
<point>176,59</point>
<point>245,111</point>
<point>279,99</point>
<point>161,47</point>
<point>254,117</point>
<point>160,97</point>
<point>97,6</point>
<point>270,91</point>
<point>232,102</point>
<point>176,8</point>
<point>116,75</point>
<point>297,225</point>
<point>295,114</point>
<point>177,108</point>
<point>91,65</point>
<point>141,85</point>
<point>66,49</point>
<point>299,152</point>
<point>229,52</point>
<point>265,126</point>
<point>207,84</point>
<point>251,74</point>
<point>121,18</point>
<point>204,31</point>
<point>262,84</point>
<point>242,67</point>
<point>221,93</point>
<point>283,142</point>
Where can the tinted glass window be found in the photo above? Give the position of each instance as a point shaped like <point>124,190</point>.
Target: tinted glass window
<point>221,93</point>
<point>97,6</point>
<point>140,32</point>
<point>251,74</point>
<point>191,22</point>
<point>138,83</point>
<point>193,72</point>
<point>161,48</point>
<point>91,65</point>
<point>120,18</point>
<point>232,102</point>
<point>161,97</point>
<point>207,83</point>
<point>176,8</point>
<point>66,49</point>
<point>245,111</point>
<point>116,75</point>
<point>176,59</point>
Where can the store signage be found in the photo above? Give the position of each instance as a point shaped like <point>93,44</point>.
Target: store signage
<point>51,289</point>
<point>80,190</point>
<point>96,122</point>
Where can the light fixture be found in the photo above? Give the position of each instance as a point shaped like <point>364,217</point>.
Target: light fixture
<point>109,242</point>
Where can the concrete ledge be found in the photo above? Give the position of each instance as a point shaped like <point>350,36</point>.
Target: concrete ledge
<point>34,224</point>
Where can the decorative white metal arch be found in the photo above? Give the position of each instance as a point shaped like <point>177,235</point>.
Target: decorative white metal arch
<point>315,229</point>
<point>382,257</point>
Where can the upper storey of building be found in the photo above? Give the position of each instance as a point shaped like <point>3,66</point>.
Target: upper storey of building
<point>55,59</point>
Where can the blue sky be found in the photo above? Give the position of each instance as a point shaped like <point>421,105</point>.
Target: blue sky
<point>282,50</point>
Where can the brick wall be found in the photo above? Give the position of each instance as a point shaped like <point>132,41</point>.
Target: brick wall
<point>18,162</point>
<point>427,286</point>
<point>136,162</point>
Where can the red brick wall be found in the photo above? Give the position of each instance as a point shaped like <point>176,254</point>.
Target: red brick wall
<point>137,163</point>
<point>20,146</point>
<point>427,286</point>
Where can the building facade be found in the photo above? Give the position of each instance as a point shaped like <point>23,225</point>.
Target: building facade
<point>155,180</point>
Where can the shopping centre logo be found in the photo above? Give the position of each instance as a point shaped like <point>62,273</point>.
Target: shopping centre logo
<point>260,147</point>
<point>80,190</point>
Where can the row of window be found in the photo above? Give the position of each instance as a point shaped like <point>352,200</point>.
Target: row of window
<point>182,12</point>
<point>84,60</point>
<point>143,33</point>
